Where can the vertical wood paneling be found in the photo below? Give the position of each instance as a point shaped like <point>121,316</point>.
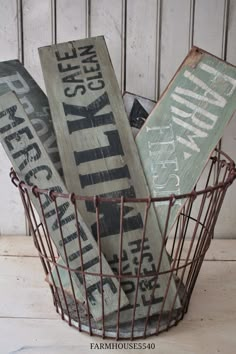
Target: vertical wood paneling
<point>71,20</point>
<point>8,30</point>
<point>106,19</point>
<point>12,220</point>
<point>231,45</point>
<point>208,25</point>
<point>174,37</point>
<point>141,47</point>
<point>37,33</point>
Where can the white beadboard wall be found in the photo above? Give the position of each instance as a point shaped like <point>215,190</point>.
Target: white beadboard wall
<point>147,39</point>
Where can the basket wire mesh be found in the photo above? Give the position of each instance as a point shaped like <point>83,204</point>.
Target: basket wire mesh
<point>186,245</point>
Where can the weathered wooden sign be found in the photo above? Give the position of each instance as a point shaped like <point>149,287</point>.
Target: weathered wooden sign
<point>99,157</point>
<point>14,77</point>
<point>138,109</point>
<point>33,165</point>
<point>183,129</point>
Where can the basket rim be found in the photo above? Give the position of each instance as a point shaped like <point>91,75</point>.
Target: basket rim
<point>97,199</point>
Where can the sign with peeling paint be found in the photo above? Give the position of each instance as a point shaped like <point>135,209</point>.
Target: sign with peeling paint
<point>185,126</point>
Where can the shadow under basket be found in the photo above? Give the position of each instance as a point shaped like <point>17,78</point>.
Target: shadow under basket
<point>185,243</point>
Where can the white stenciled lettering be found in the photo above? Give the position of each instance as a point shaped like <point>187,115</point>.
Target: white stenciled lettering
<point>216,99</point>
<point>197,114</point>
<point>216,73</point>
<point>189,142</point>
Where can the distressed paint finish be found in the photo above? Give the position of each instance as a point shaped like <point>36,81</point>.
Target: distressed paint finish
<point>185,126</point>
<point>100,157</point>
<point>14,77</point>
<point>33,165</point>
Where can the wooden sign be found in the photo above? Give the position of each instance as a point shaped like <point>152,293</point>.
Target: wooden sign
<point>184,127</point>
<point>14,77</point>
<point>99,157</point>
<point>138,109</point>
<point>33,165</point>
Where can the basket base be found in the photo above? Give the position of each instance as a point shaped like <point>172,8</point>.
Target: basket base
<point>75,314</point>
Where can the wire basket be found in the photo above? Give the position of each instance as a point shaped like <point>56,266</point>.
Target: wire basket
<point>186,246</point>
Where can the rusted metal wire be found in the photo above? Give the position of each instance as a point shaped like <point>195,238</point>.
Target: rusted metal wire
<point>187,244</point>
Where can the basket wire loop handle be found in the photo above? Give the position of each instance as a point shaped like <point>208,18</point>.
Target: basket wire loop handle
<point>50,247</point>
<point>73,199</point>
<point>164,239</point>
<point>54,199</point>
<point>96,205</point>
<point>147,207</point>
<point>192,198</point>
<point>206,245</point>
<point>120,265</point>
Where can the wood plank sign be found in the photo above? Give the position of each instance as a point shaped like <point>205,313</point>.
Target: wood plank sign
<point>33,165</point>
<point>99,157</point>
<point>14,77</point>
<point>184,127</point>
<point>138,109</point>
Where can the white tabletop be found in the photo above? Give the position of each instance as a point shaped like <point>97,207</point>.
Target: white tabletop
<point>30,324</point>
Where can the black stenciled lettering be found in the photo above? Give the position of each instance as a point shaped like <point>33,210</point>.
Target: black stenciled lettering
<point>88,114</point>
<point>61,212</point>
<point>113,149</point>
<point>98,85</point>
<point>45,131</point>
<point>77,254</point>
<point>17,137</point>
<point>104,176</point>
<point>66,55</point>
<point>90,52</point>
<point>34,172</point>
<point>138,244</point>
<point>31,153</point>
<point>110,220</point>
<point>66,68</point>
<point>91,69</point>
<point>97,288</point>
<point>72,78</point>
<point>96,77</point>
<point>155,300</point>
<point>14,121</point>
<point>71,92</point>
<point>48,200</point>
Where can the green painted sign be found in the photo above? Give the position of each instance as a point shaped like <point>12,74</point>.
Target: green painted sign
<point>184,127</point>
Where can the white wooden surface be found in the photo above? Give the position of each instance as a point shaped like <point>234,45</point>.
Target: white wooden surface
<point>147,40</point>
<point>29,323</point>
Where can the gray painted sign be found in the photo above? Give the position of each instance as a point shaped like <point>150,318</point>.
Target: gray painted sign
<point>184,127</point>
<point>33,165</point>
<point>14,77</point>
<point>99,157</point>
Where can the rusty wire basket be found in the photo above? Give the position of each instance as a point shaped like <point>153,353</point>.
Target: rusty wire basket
<point>186,245</point>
